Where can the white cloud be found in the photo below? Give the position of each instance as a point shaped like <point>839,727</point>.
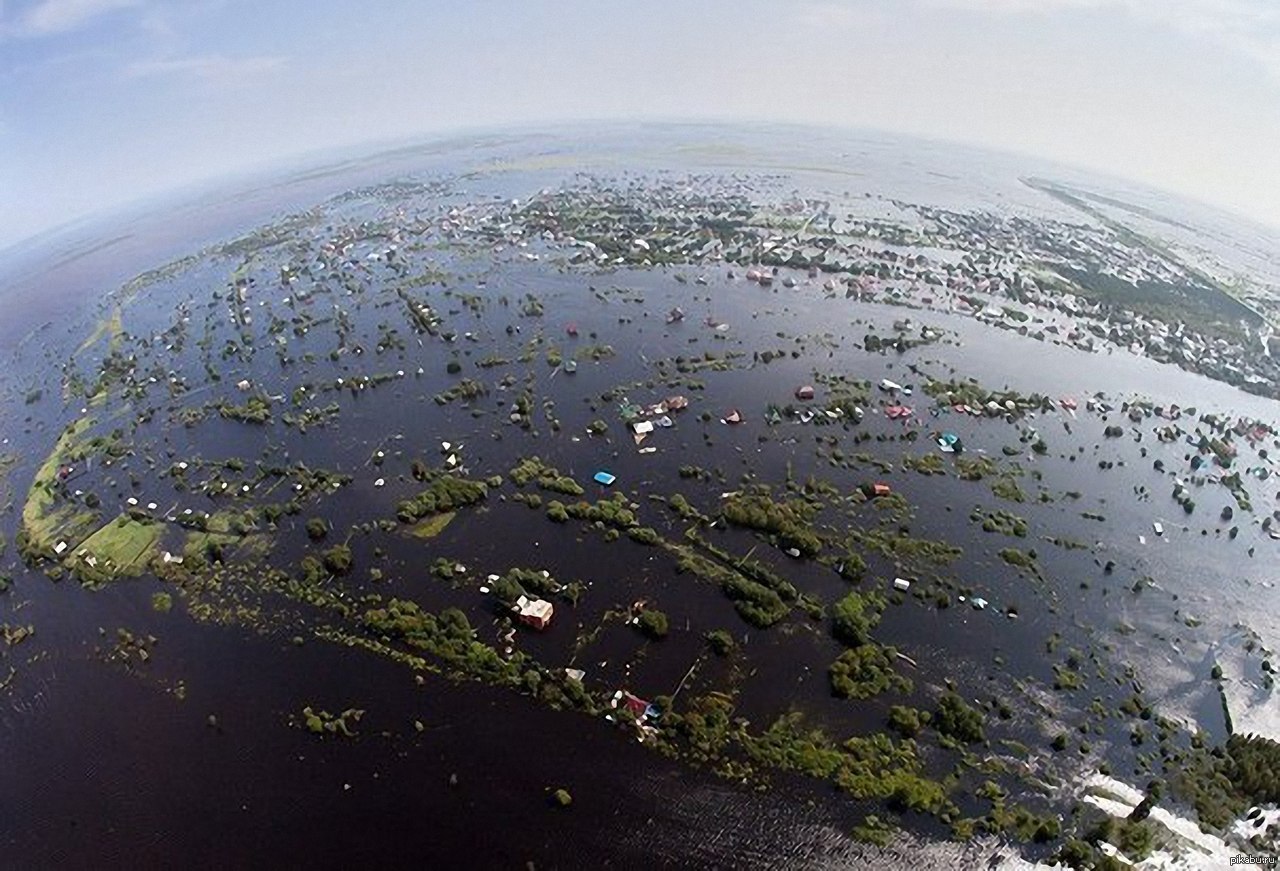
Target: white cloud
<point>59,16</point>
<point>826,14</point>
<point>213,67</point>
<point>1042,6</point>
<point>1247,27</point>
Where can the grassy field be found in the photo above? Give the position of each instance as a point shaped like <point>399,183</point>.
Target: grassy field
<point>432,526</point>
<point>44,520</point>
<point>121,548</point>
<point>111,328</point>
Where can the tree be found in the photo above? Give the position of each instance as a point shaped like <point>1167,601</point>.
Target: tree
<point>720,642</point>
<point>653,623</point>
<point>855,616</point>
<point>338,559</point>
<point>958,720</point>
<point>907,721</point>
<point>317,528</point>
<point>865,671</point>
<point>1155,791</point>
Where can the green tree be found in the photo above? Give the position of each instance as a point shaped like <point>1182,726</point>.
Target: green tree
<point>855,616</point>
<point>653,623</point>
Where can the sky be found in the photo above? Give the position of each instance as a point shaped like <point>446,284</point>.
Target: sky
<point>105,102</point>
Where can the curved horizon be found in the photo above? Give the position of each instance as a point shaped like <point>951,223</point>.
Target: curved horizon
<point>109,101</point>
<point>254,174</point>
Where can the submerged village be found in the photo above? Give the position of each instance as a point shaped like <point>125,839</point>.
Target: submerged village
<point>704,460</point>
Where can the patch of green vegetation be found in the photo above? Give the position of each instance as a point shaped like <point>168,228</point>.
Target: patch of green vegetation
<point>323,723</point>
<point>614,512</point>
<point>1019,559</point>
<point>681,506</point>
<point>789,521</point>
<point>644,535</point>
<point>446,493</point>
<point>1222,782</point>
<point>758,604</point>
<point>162,602</point>
<point>970,392</point>
<point>449,639</point>
<point>874,830</point>
<point>720,642</point>
<point>865,671</point>
<point>958,720</point>
<point>925,464</point>
<point>1003,522</point>
<point>596,352</point>
<point>1006,487</point>
<point>45,519</point>
<point>975,468</point>
<point>1134,838</point>
<point>203,548</point>
<point>855,616</point>
<point>519,582</point>
<point>907,721</point>
<point>256,409</point>
<point>547,477</point>
<point>316,416</point>
<point>433,525</point>
<point>653,623</point>
<point>871,767</point>
<point>466,390</point>
<point>1066,678</point>
<point>338,559</point>
<point>121,548</point>
<point>110,327</point>
<point>902,548</point>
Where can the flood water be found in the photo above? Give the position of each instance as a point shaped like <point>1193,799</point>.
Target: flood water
<point>194,758</point>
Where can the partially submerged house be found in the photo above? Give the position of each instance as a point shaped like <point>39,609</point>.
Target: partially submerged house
<point>638,707</point>
<point>534,612</point>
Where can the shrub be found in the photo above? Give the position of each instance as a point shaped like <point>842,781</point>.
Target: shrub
<point>338,559</point>
<point>720,642</point>
<point>644,535</point>
<point>907,721</point>
<point>866,671</point>
<point>855,616</point>
<point>653,623</point>
<point>958,720</point>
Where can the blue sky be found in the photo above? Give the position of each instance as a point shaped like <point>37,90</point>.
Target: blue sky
<point>106,101</point>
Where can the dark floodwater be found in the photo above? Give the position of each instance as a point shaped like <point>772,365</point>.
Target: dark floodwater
<point>105,766</point>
